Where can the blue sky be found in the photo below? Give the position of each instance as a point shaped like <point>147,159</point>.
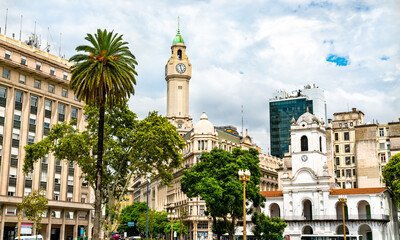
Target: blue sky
<point>241,51</point>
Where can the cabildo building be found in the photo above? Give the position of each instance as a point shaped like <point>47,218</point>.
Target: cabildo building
<point>311,204</point>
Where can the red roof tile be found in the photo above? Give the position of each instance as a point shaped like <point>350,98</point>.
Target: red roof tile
<point>272,193</point>
<point>356,191</point>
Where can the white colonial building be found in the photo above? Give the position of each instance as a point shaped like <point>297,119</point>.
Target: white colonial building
<point>309,201</point>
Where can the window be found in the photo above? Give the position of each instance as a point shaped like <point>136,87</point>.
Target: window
<point>18,96</point>
<point>381,132</point>
<point>34,101</point>
<point>336,148</point>
<point>347,160</point>
<point>353,159</point>
<point>337,161</point>
<point>383,158</point>
<point>52,70</point>
<point>179,87</point>
<point>387,132</point>
<point>201,210</point>
<point>38,66</point>
<point>6,73</point>
<point>348,172</point>
<point>3,92</point>
<point>65,76</point>
<point>336,136</point>
<point>347,148</point>
<point>23,60</point>
<point>320,144</point>
<point>346,136</point>
<point>338,173</point>
<point>388,144</point>
<point>381,146</point>
<point>37,83</point>
<point>31,139</point>
<point>32,121</point>
<point>179,54</point>
<point>61,112</point>
<point>8,54</point>
<point>74,113</point>
<point>340,125</point>
<point>355,184</point>
<point>22,78</point>
<point>83,198</point>
<point>47,105</point>
<point>304,143</point>
<point>354,172</point>
<point>51,88</point>
<point>64,92</point>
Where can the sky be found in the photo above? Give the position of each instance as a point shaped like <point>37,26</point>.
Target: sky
<point>241,52</point>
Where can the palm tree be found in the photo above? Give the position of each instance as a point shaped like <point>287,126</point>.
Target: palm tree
<point>103,75</point>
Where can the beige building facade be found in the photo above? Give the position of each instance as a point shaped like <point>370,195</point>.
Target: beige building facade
<point>202,137</point>
<point>34,94</point>
<point>357,151</point>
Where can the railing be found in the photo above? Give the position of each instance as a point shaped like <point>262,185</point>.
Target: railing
<point>378,217</point>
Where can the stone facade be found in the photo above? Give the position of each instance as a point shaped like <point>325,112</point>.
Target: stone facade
<point>34,94</point>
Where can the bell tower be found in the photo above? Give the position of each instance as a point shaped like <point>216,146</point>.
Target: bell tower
<point>178,72</point>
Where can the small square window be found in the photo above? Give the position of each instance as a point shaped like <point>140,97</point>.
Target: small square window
<point>8,54</point>
<point>23,60</point>
<point>64,92</point>
<point>38,66</point>
<point>347,148</point>
<point>37,83</point>
<point>22,78</point>
<point>6,73</point>
<point>51,88</point>
<point>52,70</point>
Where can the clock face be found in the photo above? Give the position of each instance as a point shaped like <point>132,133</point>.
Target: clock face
<point>180,68</point>
<point>304,158</point>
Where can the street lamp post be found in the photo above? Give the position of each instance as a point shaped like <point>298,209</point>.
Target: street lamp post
<point>343,200</point>
<point>244,176</point>
<point>147,213</point>
<point>20,215</point>
<point>172,217</point>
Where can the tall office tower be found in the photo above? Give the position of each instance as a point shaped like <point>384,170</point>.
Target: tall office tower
<point>284,106</point>
<point>358,151</point>
<point>34,95</point>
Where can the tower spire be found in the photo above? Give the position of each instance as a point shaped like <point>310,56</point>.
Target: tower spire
<point>178,26</point>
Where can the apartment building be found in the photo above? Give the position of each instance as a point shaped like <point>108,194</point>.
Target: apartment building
<point>34,94</point>
<point>358,151</point>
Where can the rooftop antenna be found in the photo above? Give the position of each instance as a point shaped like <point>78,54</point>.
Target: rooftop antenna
<point>242,120</point>
<point>59,49</point>
<point>20,29</point>
<point>5,27</point>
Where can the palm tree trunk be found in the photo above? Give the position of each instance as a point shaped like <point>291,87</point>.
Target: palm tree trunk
<point>99,168</point>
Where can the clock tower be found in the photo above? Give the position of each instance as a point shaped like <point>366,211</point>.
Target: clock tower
<point>178,72</point>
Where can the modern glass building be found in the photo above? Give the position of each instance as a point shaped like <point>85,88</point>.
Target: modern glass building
<point>281,112</point>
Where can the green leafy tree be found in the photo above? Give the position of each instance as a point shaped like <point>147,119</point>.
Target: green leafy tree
<point>131,213</point>
<point>177,227</point>
<point>156,223</point>
<point>266,227</point>
<point>127,149</point>
<point>391,176</point>
<point>103,75</point>
<point>34,205</point>
<point>215,179</point>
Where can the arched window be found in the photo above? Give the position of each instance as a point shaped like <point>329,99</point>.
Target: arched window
<point>274,210</point>
<point>339,211</point>
<point>308,230</point>
<point>320,144</point>
<point>179,54</point>
<point>304,143</point>
<point>364,210</point>
<point>307,210</point>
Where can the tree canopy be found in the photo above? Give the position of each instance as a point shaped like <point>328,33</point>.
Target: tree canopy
<point>131,147</point>
<point>215,179</point>
<point>391,176</point>
<point>266,227</point>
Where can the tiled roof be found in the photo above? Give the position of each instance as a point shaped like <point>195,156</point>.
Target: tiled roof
<point>356,191</point>
<point>272,193</point>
